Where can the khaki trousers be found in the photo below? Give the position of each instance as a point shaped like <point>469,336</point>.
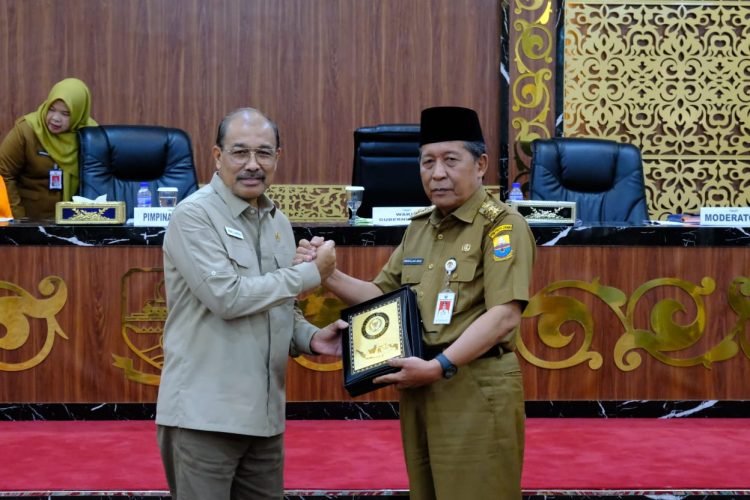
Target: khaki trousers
<point>204,465</point>
<point>464,437</point>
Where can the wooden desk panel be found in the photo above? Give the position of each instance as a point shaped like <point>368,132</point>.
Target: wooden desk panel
<point>94,314</point>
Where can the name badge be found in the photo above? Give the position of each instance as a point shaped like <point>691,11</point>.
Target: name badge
<point>55,179</point>
<point>444,308</point>
<point>234,233</point>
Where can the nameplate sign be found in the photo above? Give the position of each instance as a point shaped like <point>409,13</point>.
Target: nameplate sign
<point>393,216</point>
<point>725,216</point>
<point>152,216</point>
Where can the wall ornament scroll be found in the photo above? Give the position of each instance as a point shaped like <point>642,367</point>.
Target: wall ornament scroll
<point>664,339</point>
<point>17,307</point>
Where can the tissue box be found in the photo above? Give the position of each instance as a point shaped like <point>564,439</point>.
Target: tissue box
<point>546,212</point>
<point>100,212</point>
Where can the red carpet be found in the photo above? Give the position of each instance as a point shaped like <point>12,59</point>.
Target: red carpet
<point>561,454</point>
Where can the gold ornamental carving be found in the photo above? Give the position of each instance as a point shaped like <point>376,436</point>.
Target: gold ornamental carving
<point>532,79</point>
<point>309,202</point>
<point>664,338</point>
<point>17,306</point>
<point>143,313</point>
<point>673,78</point>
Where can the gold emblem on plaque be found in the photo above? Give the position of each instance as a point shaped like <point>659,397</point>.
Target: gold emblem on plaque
<point>380,338</point>
<point>375,326</point>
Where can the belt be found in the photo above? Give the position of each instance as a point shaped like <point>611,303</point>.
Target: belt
<point>430,351</point>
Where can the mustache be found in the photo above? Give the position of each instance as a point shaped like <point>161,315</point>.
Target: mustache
<point>252,175</point>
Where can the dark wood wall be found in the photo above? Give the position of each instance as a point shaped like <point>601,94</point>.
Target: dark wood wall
<point>320,68</point>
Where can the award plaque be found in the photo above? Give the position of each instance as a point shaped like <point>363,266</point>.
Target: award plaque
<point>380,329</point>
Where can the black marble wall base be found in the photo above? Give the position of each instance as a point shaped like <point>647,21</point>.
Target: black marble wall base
<point>352,410</point>
<point>666,495</point>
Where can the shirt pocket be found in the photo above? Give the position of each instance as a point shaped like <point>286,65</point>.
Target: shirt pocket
<point>242,257</point>
<point>412,274</point>
<point>283,258</point>
<point>466,284</point>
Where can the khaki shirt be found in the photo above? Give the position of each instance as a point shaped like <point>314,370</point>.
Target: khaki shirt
<point>232,317</point>
<point>494,251</point>
<point>25,165</point>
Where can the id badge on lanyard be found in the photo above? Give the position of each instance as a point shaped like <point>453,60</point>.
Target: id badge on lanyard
<point>446,299</point>
<point>55,178</point>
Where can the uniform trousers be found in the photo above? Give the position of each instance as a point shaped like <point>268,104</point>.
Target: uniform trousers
<point>203,465</point>
<point>463,437</point>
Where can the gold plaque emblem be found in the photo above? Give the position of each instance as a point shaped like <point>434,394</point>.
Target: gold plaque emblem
<point>375,325</point>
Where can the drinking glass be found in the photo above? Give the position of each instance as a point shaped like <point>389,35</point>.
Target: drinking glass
<point>167,196</point>
<point>354,196</point>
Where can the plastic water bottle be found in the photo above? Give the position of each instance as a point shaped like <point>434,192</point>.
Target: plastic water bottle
<point>515,192</point>
<point>143,199</point>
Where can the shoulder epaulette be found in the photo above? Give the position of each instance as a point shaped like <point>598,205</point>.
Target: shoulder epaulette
<point>423,212</point>
<point>490,210</point>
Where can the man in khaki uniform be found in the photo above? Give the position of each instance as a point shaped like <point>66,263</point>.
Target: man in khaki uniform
<point>462,409</point>
<point>232,323</point>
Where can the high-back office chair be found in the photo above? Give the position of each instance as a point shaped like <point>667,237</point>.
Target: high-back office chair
<point>114,159</point>
<point>386,163</point>
<point>604,178</point>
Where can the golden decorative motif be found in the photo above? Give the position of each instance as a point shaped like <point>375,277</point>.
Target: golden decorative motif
<point>674,79</point>
<point>15,311</point>
<point>320,203</point>
<point>310,203</point>
<point>531,94</point>
<point>102,212</point>
<point>320,309</point>
<point>664,337</point>
<point>143,313</point>
<point>739,291</point>
<point>556,310</point>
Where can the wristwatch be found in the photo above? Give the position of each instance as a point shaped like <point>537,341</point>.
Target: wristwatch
<point>449,369</point>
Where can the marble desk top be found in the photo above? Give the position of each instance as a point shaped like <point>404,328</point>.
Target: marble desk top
<point>50,234</point>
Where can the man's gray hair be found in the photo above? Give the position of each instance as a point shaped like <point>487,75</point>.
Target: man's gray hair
<point>224,125</point>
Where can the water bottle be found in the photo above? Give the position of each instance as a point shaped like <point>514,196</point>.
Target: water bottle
<point>143,198</point>
<point>515,192</point>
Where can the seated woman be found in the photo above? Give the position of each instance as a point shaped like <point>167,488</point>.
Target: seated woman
<point>39,156</point>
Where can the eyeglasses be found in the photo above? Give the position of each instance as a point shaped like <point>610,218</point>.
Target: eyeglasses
<point>242,156</point>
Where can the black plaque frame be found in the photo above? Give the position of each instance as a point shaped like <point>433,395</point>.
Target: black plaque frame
<point>379,329</point>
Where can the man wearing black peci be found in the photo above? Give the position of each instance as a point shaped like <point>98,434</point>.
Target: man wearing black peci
<point>469,260</point>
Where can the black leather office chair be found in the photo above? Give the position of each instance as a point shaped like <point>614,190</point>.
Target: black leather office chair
<point>604,178</point>
<point>114,159</point>
<point>386,163</point>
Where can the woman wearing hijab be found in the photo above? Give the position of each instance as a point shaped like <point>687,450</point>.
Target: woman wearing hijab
<point>39,156</point>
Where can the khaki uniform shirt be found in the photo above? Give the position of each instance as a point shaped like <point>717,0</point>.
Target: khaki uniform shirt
<point>494,252</point>
<point>232,317</point>
<point>25,166</point>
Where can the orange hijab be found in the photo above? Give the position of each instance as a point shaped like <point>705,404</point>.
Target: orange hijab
<point>63,148</point>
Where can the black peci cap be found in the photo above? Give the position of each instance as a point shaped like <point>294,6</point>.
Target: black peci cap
<point>449,123</point>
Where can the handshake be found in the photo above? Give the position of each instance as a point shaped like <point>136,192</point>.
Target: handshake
<point>319,251</point>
